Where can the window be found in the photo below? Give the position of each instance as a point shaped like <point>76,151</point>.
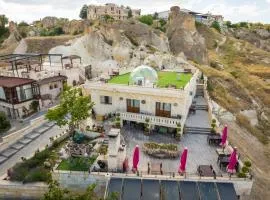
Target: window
<point>133,105</point>
<point>105,100</point>
<point>51,87</point>
<point>55,85</point>
<point>163,109</point>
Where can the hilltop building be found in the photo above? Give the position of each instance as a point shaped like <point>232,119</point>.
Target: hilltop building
<point>163,97</point>
<point>206,19</point>
<point>113,10</point>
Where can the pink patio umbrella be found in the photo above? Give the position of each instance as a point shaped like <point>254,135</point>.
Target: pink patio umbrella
<point>183,161</point>
<point>224,136</point>
<point>136,158</point>
<point>232,161</point>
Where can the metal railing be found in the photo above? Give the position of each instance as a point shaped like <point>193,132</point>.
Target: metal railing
<point>155,120</point>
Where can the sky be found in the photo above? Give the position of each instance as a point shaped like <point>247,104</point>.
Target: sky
<point>233,10</point>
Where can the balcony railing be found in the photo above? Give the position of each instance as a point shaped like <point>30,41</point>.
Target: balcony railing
<point>154,120</point>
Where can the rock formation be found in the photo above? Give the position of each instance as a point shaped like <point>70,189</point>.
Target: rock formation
<point>183,36</point>
<point>258,37</point>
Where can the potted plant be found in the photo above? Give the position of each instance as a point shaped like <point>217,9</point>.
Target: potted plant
<point>213,126</point>
<point>147,125</point>
<point>178,131</point>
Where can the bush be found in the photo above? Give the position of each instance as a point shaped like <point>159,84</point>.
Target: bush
<point>247,163</point>
<point>241,175</point>
<point>34,106</point>
<point>216,26</point>
<point>38,174</point>
<point>4,122</point>
<point>146,19</point>
<point>245,169</point>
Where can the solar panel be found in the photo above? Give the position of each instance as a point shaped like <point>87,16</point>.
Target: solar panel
<point>226,191</point>
<point>115,185</point>
<point>150,190</point>
<point>169,190</point>
<point>131,189</point>
<point>188,190</point>
<point>208,191</point>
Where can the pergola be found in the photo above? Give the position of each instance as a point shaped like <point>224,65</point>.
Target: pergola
<point>71,58</point>
<point>27,60</point>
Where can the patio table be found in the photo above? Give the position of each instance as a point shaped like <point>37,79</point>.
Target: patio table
<point>155,167</point>
<point>222,152</point>
<point>216,139</point>
<point>205,170</point>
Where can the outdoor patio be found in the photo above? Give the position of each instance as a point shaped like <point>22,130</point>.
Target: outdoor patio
<point>199,151</point>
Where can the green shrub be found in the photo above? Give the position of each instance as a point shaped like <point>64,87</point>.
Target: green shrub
<point>247,163</point>
<point>245,169</point>
<point>38,174</point>
<point>216,26</point>
<point>241,175</point>
<point>146,19</point>
<point>4,122</point>
<point>34,106</point>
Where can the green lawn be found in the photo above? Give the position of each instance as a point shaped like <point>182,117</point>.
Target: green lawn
<point>76,164</point>
<point>164,79</point>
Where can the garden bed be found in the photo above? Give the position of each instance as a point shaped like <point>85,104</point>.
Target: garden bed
<point>161,150</point>
<point>37,168</point>
<point>76,163</point>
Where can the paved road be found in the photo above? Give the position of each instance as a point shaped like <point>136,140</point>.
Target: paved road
<point>29,149</point>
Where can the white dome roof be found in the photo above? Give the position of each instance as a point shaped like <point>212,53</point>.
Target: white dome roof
<point>148,74</point>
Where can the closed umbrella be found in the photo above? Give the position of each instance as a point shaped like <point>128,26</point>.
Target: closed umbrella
<point>183,161</point>
<point>232,161</point>
<point>136,158</point>
<point>224,136</point>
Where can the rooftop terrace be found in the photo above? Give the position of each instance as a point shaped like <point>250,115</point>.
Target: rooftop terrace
<point>164,79</point>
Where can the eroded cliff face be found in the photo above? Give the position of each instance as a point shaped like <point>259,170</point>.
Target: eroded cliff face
<point>183,37</point>
<point>258,37</point>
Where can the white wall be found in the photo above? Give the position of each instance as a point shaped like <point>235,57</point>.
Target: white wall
<point>45,89</point>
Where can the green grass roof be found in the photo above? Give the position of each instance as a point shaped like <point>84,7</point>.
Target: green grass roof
<point>164,79</point>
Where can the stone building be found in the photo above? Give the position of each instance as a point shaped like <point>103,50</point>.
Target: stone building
<point>206,19</point>
<point>113,10</point>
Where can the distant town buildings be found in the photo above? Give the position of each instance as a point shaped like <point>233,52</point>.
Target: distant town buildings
<point>206,19</point>
<point>113,10</point>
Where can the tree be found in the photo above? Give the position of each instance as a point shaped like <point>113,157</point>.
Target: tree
<point>3,21</point>
<point>146,19</point>
<point>228,24</point>
<point>4,122</point>
<point>108,18</point>
<point>216,26</point>
<point>243,24</point>
<point>83,12</point>
<point>155,16</point>
<point>55,192</point>
<point>73,108</point>
<point>23,23</point>
<point>130,13</point>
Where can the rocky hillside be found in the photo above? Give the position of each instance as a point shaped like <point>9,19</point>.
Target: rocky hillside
<point>239,80</point>
<point>258,37</point>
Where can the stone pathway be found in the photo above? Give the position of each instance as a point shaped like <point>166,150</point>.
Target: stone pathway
<point>7,153</point>
<point>26,146</point>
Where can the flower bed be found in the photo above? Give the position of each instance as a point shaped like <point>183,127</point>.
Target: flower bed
<point>161,150</point>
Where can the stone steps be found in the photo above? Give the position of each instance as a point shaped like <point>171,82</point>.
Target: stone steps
<point>201,107</point>
<point>197,130</point>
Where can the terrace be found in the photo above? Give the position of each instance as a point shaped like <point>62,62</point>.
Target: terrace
<point>165,79</point>
<point>200,152</point>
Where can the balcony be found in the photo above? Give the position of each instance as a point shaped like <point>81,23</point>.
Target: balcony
<point>154,120</point>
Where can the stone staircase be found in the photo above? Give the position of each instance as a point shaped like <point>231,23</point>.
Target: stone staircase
<point>201,107</point>
<point>197,130</point>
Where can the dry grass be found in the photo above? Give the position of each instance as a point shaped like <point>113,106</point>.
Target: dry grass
<point>44,44</point>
